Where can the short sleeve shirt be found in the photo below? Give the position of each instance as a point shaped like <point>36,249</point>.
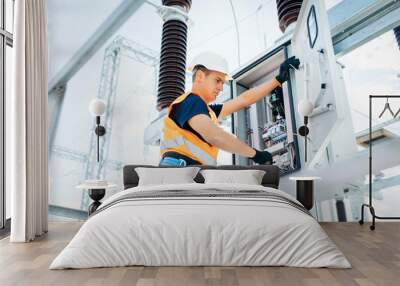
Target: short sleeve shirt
<point>190,107</point>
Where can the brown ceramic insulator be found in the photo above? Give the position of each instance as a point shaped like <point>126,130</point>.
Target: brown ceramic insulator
<point>288,11</point>
<point>397,35</point>
<point>172,71</point>
<point>182,3</point>
<point>171,81</point>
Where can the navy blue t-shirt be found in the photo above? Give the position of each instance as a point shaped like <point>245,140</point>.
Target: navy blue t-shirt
<point>191,106</point>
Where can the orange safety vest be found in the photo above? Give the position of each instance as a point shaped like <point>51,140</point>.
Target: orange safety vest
<point>179,140</point>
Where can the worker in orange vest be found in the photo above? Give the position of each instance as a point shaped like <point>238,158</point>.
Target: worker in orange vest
<point>191,135</point>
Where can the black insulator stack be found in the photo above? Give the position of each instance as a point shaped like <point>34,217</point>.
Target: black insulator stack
<point>171,81</point>
<point>397,35</point>
<point>288,11</point>
<point>182,3</point>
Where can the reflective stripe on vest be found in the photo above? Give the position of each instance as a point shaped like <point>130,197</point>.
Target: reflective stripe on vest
<point>179,141</point>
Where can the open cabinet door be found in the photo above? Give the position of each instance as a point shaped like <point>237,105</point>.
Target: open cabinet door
<point>317,79</point>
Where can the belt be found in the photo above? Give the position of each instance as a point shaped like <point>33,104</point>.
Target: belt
<point>189,161</point>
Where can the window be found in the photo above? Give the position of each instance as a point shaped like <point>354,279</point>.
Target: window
<point>6,43</point>
<point>312,27</point>
<point>373,69</point>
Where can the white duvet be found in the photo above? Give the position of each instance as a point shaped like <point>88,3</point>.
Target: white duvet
<point>200,231</point>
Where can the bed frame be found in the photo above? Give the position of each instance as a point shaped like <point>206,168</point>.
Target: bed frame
<point>270,179</point>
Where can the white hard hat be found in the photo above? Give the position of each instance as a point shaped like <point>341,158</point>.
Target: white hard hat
<point>211,61</point>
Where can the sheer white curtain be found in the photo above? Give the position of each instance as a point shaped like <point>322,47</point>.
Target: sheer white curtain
<point>26,123</point>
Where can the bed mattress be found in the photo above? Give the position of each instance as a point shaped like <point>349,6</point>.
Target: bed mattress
<point>201,225</point>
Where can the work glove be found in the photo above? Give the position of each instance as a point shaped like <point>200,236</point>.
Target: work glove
<point>262,157</point>
<point>285,67</point>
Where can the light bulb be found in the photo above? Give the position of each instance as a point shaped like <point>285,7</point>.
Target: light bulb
<point>305,107</point>
<point>97,107</point>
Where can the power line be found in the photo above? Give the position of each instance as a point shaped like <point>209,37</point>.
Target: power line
<point>245,18</point>
<point>237,30</point>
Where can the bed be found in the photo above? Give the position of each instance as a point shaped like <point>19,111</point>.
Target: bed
<point>201,224</point>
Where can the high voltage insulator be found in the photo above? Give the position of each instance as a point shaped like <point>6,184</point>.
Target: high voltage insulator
<point>288,11</point>
<point>397,35</point>
<point>171,82</point>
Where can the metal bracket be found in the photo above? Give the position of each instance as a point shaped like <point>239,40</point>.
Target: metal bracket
<point>172,13</point>
<point>322,109</point>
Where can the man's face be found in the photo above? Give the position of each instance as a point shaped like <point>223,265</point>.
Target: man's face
<point>211,85</point>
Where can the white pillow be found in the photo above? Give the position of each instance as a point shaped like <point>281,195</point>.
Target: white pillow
<point>166,176</point>
<point>248,177</point>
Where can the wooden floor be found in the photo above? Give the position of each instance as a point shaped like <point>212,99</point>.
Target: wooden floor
<point>374,255</point>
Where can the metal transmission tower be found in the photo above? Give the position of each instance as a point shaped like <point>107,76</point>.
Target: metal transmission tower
<point>119,47</point>
<point>73,155</point>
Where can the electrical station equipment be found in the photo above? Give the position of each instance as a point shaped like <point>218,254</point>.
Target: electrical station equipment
<point>272,123</point>
<point>268,124</point>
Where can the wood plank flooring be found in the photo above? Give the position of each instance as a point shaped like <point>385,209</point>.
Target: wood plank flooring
<point>374,255</point>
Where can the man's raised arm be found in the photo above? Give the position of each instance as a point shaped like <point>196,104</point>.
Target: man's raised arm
<point>254,94</point>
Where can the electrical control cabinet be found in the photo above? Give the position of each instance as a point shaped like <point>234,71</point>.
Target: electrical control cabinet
<point>268,124</point>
